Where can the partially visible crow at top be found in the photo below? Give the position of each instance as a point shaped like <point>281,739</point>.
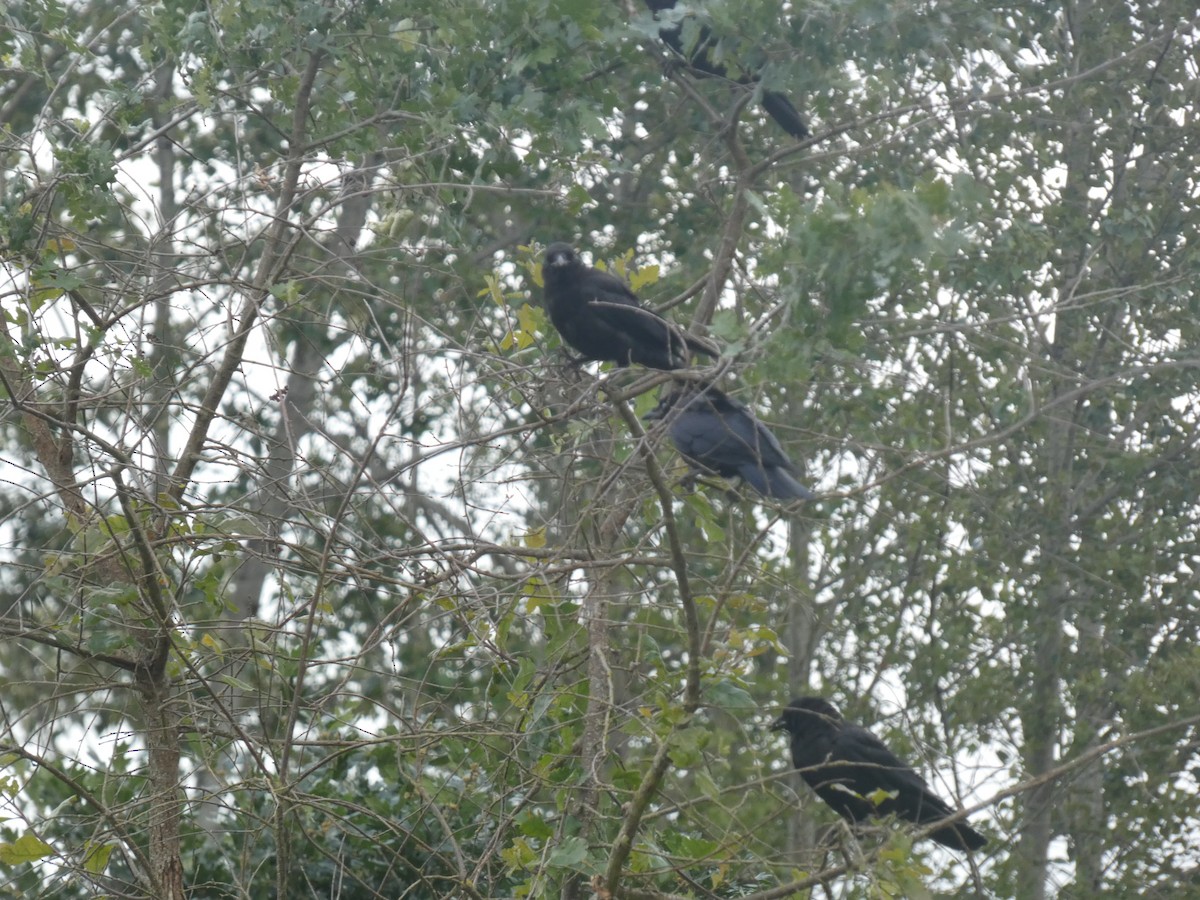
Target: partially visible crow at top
<point>846,764</point>
<point>598,315</point>
<point>777,105</point>
<point>716,433</point>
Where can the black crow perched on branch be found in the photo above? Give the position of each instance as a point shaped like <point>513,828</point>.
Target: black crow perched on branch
<point>598,315</point>
<point>699,57</point>
<point>847,765</point>
<point>716,433</point>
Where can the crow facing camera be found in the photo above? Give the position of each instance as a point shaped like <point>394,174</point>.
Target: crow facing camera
<point>601,318</point>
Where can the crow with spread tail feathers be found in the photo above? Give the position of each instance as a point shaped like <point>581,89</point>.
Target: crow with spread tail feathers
<point>716,433</point>
<point>597,314</point>
<point>699,57</point>
<point>846,765</point>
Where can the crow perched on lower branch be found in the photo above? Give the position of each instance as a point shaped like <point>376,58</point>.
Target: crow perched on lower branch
<point>846,765</point>
<point>699,57</point>
<point>598,315</point>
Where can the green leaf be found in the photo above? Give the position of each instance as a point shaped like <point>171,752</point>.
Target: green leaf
<point>535,539</point>
<point>518,855</point>
<point>535,826</point>
<point>577,199</point>
<point>27,848</point>
<point>570,853</point>
<point>686,746</point>
<point>288,291</point>
<point>724,694</point>
<point>707,786</point>
<point>95,858</point>
<point>235,683</point>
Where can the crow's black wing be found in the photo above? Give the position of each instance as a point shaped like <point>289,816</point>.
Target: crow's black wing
<point>652,340</point>
<point>721,442</point>
<point>843,769</point>
<point>636,320</point>
<point>780,108</point>
<point>605,290</point>
<point>878,768</point>
<point>763,461</point>
<point>599,286</point>
<point>768,448</point>
<point>592,335</point>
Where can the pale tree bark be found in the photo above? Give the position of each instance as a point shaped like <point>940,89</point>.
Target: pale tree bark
<point>651,780</point>
<point>164,355</point>
<point>801,635</point>
<point>1138,174</point>
<point>609,512</point>
<point>1062,491</point>
<point>1085,808</point>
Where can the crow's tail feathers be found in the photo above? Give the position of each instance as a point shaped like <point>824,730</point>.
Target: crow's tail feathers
<point>780,108</point>
<point>959,836</point>
<point>775,482</point>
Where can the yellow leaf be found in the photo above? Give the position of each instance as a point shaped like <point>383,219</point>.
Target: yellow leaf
<point>537,594</point>
<point>529,318</point>
<point>493,290</point>
<point>644,276</point>
<point>718,876</point>
<point>406,35</point>
<point>879,795</point>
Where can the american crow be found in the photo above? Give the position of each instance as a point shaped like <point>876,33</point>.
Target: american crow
<point>598,315</point>
<point>716,433</point>
<point>699,57</point>
<point>846,765</point>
